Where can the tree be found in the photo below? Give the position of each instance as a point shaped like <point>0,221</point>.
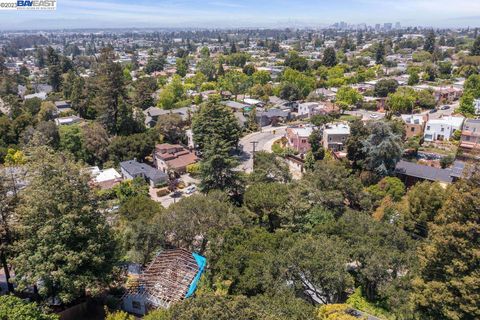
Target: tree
<point>475,51</point>
<point>79,97</point>
<point>171,93</point>
<point>388,186</point>
<point>55,77</point>
<point>217,169</point>
<point>47,111</point>
<point>429,45</point>
<point>249,69</point>
<point>335,312</point>
<point>380,53</point>
<point>348,96</point>
<point>261,77</point>
<point>13,308</point>
<point>65,243</point>
<point>194,221</point>
<point>182,67</point>
<point>139,146</point>
<point>268,167</point>
<point>467,107</point>
<point>71,140</point>
<point>302,83</point>
<point>119,315</point>
<point>141,226</point>
<point>421,206</point>
<point>329,57</point>
<point>207,67</point>
<point>426,99</point>
<point>317,264</point>
<point>296,62</point>
<point>171,126</point>
<point>215,121</point>
<point>68,85</point>
<point>384,87</point>
<point>413,78</point>
<point>235,81</point>
<point>95,142</point>
<point>402,101</point>
<point>383,149</point>
<point>315,140</point>
<point>112,93</point>
<point>155,64</point>
<point>448,281</point>
<point>144,89</point>
<point>265,200</point>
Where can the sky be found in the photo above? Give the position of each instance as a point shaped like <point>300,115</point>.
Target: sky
<point>243,13</point>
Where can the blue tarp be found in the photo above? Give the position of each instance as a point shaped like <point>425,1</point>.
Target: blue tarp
<point>201,262</point>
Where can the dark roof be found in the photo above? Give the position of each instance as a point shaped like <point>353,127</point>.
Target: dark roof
<point>430,173</point>
<point>134,167</point>
<point>275,113</point>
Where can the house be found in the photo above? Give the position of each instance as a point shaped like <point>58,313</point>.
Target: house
<point>66,121</point>
<point>152,114</point>
<point>171,277</point>
<point>133,169</point>
<point>39,95</point>
<point>298,138</point>
<point>173,157</point>
<point>335,135</point>
<point>62,106</point>
<point>106,178</point>
<point>442,129</point>
<point>309,109</point>
<point>236,106</point>
<point>411,173</point>
<point>414,124</point>
<point>470,140</point>
<point>272,116</point>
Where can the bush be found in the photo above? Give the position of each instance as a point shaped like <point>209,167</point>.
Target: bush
<point>193,168</point>
<point>162,192</point>
<point>447,161</point>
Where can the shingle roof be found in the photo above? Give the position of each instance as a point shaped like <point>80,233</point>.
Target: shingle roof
<point>425,172</point>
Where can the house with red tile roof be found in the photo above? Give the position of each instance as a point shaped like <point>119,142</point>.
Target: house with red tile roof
<point>173,157</point>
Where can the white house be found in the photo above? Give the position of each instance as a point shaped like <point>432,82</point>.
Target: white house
<point>335,135</point>
<point>442,129</point>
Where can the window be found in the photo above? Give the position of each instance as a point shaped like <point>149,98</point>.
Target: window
<point>136,305</point>
<point>412,129</point>
<point>428,127</point>
<point>304,141</point>
<point>443,129</point>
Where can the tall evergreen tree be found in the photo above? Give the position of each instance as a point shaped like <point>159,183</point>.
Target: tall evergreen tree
<point>65,246</point>
<point>112,93</point>
<point>476,47</point>
<point>329,57</point>
<point>429,45</point>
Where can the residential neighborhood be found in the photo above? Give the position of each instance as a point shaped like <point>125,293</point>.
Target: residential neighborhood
<point>326,171</point>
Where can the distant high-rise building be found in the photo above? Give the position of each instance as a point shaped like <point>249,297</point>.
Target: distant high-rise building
<point>387,26</point>
<point>398,25</point>
<point>377,26</point>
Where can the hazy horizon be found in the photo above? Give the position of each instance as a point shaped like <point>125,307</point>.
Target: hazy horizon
<point>87,14</point>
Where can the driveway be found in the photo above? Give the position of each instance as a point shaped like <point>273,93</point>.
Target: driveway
<point>264,140</point>
<point>366,115</point>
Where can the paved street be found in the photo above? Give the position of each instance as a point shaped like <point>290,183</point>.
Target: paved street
<point>366,115</point>
<point>264,141</point>
<point>444,113</point>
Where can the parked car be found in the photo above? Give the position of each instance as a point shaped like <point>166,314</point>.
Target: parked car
<point>176,194</point>
<point>445,107</point>
<point>374,116</point>
<point>433,111</point>
<point>191,189</point>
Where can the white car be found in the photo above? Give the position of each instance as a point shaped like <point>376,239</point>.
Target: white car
<point>191,189</point>
<point>374,116</point>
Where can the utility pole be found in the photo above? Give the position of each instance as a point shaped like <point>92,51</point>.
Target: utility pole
<point>254,143</point>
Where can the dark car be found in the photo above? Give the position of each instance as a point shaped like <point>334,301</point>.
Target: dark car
<point>445,107</point>
<point>433,111</point>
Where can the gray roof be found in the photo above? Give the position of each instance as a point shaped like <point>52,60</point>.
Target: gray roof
<point>235,105</point>
<point>429,173</point>
<point>275,113</point>
<point>134,168</point>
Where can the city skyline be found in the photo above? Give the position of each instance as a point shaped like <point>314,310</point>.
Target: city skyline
<point>237,14</point>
